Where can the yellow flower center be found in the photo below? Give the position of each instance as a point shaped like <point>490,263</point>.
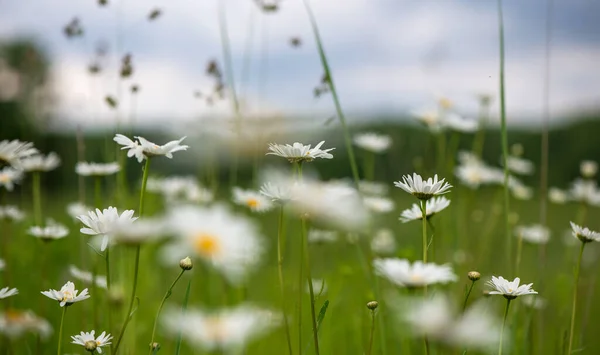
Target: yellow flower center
<point>13,316</point>
<point>206,244</point>
<point>510,290</point>
<point>215,329</point>
<point>445,103</point>
<point>416,278</point>
<point>67,296</point>
<point>252,202</point>
<point>4,178</point>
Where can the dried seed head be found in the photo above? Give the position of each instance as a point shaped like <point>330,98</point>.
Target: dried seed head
<point>474,275</point>
<point>372,305</point>
<point>186,263</point>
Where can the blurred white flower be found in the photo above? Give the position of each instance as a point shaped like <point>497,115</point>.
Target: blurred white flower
<point>143,148</point>
<point>87,276</point>
<point>423,189</point>
<point>509,289</point>
<point>230,243</point>
<point>585,191</point>
<point>177,189</point>
<point>39,162</point>
<point>138,231</point>
<point>379,204</point>
<point>557,195</point>
<point>519,165</point>
<point>472,172</point>
<point>254,200</point>
<point>67,294</point>
<point>88,340</point>
<point>84,168</point>
<point>432,207</point>
<point>7,292</point>
<point>372,187</point>
<point>299,152</point>
<point>322,236</point>
<point>12,152</point>
<point>588,168</point>
<point>400,272</point>
<point>536,234</point>
<point>225,329</point>
<point>9,177</point>
<point>105,222</point>
<point>319,287</point>
<point>373,142</point>
<point>11,213</point>
<point>430,118</point>
<point>14,323</point>
<point>520,191</point>
<point>586,235</point>
<point>535,302</point>
<point>276,192</point>
<point>458,123</point>
<point>2,264</point>
<point>76,209</point>
<point>383,242</point>
<point>51,231</point>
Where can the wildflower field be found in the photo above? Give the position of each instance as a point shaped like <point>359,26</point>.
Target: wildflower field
<point>442,233</point>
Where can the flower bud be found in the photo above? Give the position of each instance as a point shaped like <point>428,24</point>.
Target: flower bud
<point>186,263</point>
<point>90,346</point>
<point>474,275</point>
<point>372,305</point>
<point>155,346</point>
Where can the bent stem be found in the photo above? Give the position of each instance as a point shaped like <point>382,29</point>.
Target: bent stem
<point>573,310</point>
<point>280,237</point>
<point>128,316</point>
<point>160,307</point>
<point>503,326</point>
<point>310,287</point>
<point>60,332</point>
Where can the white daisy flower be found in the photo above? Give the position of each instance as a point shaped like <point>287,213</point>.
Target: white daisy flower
<point>460,124</point>
<point>373,142</point>
<point>177,189</point>
<point>372,188</point>
<point>383,242</point>
<point>84,168</point>
<point>299,152</point>
<point>67,294</point>
<point>474,173</point>
<point>520,191</point>
<point>432,207</point>
<point>11,213</point>
<point>401,273</point>
<point>143,148</point>
<point>104,222</point>
<point>379,204</point>
<point>588,168</point>
<point>76,209</point>
<point>585,191</point>
<point>87,277</point>
<point>7,292</point>
<point>431,119</point>
<point>536,234</point>
<point>276,192</point>
<point>509,289</point>
<point>230,243</point>
<point>90,342</point>
<point>254,200</point>
<point>322,236</point>
<point>423,189</point>
<point>40,162</point>
<point>9,177</point>
<point>15,323</point>
<point>535,302</point>
<point>51,231</point>
<point>520,166</point>
<point>584,234</point>
<point>11,152</point>
<point>224,329</point>
<point>139,232</point>
<point>557,195</point>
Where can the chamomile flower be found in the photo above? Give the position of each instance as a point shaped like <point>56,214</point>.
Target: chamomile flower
<point>224,329</point>
<point>372,188</point>
<point>585,191</point>
<point>9,177</point>
<point>77,209</point>
<point>402,273</point>
<point>230,243</point>
<point>51,231</point>
<point>432,207</point>
<point>138,232</point>
<point>67,294</point>
<point>14,323</point>
<point>11,213</point>
<point>588,168</point>
<point>373,142</point>
<point>87,277</point>
<point>383,242</point>
<point>277,192</point>
<point>535,302</point>
<point>584,234</point>
<point>322,236</point>
<point>90,342</point>
<point>39,162</point>
<point>298,152</point>
<point>7,292</point>
<point>177,189</point>
<point>105,222</point>
<point>430,118</point>
<point>11,152</point>
<point>509,289</point>
<point>557,195</point>
<point>142,148</point>
<point>520,191</point>
<point>379,204</point>
<point>519,165</point>
<point>255,201</point>
<point>84,168</point>
<point>423,189</point>
<point>536,234</point>
<point>460,124</point>
<point>474,173</point>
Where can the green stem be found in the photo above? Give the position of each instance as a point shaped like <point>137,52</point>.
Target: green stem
<point>504,136</point>
<point>519,251</point>
<point>372,332</point>
<point>137,258</point>
<point>37,198</point>
<point>300,291</point>
<point>183,308</point>
<point>478,141</point>
<point>109,311</point>
<point>574,309</point>
<point>424,220</point>
<point>503,326</point>
<point>441,153</point>
<point>160,307</point>
<point>310,287</point>
<point>468,294</point>
<point>60,332</point>
<point>280,237</point>
<point>369,166</point>
<point>334,93</point>
<point>426,344</point>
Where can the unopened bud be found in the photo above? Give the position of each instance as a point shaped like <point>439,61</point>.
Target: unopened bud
<point>186,263</point>
<point>372,305</point>
<point>474,275</point>
<point>155,346</point>
<point>90,345</point>
<point>116,297</point>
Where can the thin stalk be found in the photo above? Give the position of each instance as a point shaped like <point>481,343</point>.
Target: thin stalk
<point>300,290</point>
<point>60,332</point>
<point>137,258</point>
<point>334,93</point>
<point>503,326</point>
<point>424,219</point>
<point>468,294</point>
<point>310,287</point>
<point>280,237</point>
<point>372,332</point>
<point>441,153</point>
<point>479,140</point>
<point>160,307</point>
<point>504,136</point>
<point>183,308</point>
<point>426,344</point>
<point>574,309</point>
<point>37,198</point>
<point>519,251</point>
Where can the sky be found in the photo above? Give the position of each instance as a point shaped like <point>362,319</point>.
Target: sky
<point>388,57</point>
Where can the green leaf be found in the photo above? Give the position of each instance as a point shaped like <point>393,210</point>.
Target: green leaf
<point>322,314</point>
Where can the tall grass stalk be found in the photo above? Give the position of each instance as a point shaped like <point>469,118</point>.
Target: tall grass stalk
<point>424,223</point>
<point>280,237</point>
<point>370,348</point>
<point>574,308</point>
<point>310,287</point>
<point>60,331</point>
<point>503,326</point>
<point>334,94</point>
